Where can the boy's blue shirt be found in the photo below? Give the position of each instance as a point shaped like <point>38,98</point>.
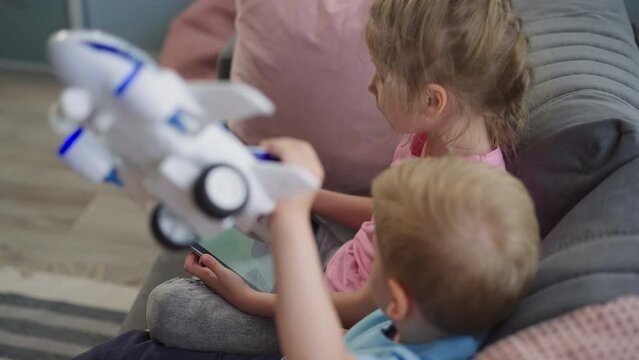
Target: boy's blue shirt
<point>368,341</point>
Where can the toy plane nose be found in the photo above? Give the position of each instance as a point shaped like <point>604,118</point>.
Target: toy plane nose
<point>59,36</point>
<point>63,38</point>
<point>64,46</point>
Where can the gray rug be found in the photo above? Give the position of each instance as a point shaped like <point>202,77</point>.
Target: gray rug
<point>41,329</point>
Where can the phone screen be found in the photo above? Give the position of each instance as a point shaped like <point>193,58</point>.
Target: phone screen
<point>249,258</point>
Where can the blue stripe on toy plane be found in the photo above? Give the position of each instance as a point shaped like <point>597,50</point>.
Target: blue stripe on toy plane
<point>176,122</point>
<point>261,154</point>
<point>128,80</point>
<point>136,62</point>
<point>113,50</point>
<point>69,141</point>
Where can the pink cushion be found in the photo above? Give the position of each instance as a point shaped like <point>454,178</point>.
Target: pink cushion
<point>310,58</point>
<point>196,38</point>
<point>609,331</point>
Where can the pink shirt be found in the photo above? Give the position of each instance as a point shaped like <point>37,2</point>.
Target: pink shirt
<point>349,268</point>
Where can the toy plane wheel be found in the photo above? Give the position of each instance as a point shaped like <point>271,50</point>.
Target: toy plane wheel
<point>170,231</point>
<point>221,191</point>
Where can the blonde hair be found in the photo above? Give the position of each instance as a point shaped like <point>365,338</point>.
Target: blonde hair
<point>460,236</point>
<point>475,49</point>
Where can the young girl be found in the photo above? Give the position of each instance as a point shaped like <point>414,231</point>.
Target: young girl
<point>452,76</point>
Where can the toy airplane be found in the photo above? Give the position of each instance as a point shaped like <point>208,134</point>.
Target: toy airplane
<point>120,110</point>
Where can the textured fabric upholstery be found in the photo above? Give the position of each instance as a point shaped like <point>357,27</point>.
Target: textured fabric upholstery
<point>586,72</point>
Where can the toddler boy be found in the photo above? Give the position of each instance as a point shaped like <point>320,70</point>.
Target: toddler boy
<point>457,246</point>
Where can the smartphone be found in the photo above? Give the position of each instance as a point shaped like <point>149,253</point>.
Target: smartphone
<point>251,259</point>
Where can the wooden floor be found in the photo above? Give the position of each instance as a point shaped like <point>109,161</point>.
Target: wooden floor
<point>50,218</point>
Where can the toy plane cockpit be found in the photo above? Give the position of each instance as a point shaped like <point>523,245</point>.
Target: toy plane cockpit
<point>121,112</point>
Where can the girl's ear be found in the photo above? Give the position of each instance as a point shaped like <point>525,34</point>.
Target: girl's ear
<point>437,100</point>
<point>400,302</point>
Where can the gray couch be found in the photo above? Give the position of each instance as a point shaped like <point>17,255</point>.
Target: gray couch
<point>580,161</point>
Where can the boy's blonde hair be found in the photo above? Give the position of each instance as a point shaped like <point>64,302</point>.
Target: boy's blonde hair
<point>460,236</point>
<point>475,49</point>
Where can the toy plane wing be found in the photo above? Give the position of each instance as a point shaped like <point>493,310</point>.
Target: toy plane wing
<point>281,180</point>
<point>224,100</point>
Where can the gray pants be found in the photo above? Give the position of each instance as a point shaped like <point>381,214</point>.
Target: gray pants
<point>185,313</point>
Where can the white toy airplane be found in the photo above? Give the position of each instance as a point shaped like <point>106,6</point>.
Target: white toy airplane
<point>121,110</point>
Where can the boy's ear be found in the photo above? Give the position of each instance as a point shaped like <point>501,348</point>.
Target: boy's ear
<point>436,101</point>
<point>400,302</point>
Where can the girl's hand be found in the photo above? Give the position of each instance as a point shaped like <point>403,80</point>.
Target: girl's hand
<point>218,278</point>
